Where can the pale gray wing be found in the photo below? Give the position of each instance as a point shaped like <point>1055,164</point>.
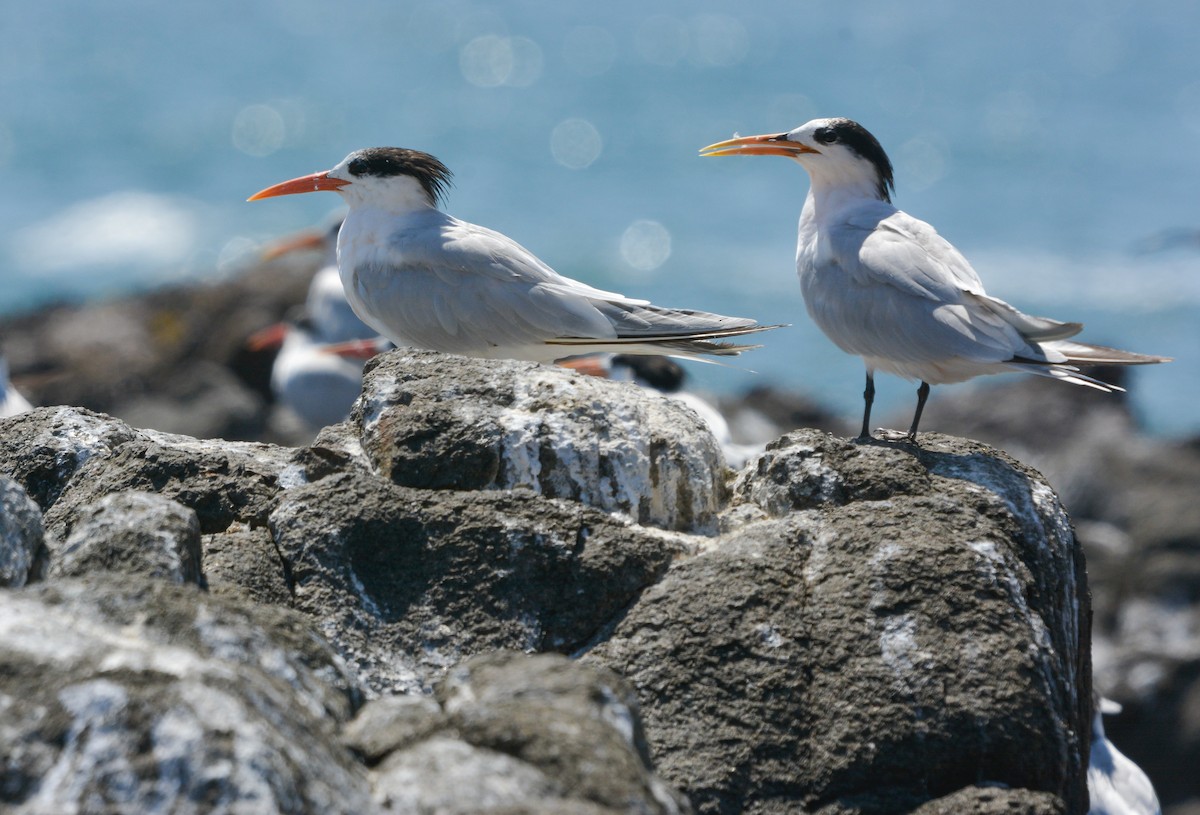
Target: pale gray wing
<point>922,257</point>
<point>645,321</point>
<point>1031,328</point>
<point>906,294</point>
<point>466,289</point>
<point>906,253</point>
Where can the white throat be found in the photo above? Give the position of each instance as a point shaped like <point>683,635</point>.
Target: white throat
<point>398,195</point>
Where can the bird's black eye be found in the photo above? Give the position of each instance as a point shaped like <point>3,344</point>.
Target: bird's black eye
<point>357,167</point>
<point>825,135</point>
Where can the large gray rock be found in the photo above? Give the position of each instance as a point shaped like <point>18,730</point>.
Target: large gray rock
<point>864,628</point>
<point>443,422</point>
<point>68,459</point>
<point>135,533</point>
<point>44,448</point>
<point>1133,498</point>
<point>407,582</point>
<point>222,482</point>
<point>243,559</point>
<point>124,696</point>
<point>23,553</point>
<point>510,733</point>
<point>885,624</point>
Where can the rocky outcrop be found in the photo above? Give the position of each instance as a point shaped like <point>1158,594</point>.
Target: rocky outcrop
<point>557,600</point>
<point>409,581</point>
<point>607,445</point>
<point>537,734</point>
<point>143,696</point>
<point>932,598</point>
<point>23,552</point>
<point>1133,500</point>
<point>140,533</point>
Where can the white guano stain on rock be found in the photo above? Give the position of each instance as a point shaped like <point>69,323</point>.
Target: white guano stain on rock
<point>804,465</point>
<point>1036,507</point>
<point>602,452</point>
<point>618,715</point>
<point>292,476</point>
<point>769,635</point>
<point>898,644</point>
<point>93,741</point>
<point>384,395</point>
<point>51,637</point>
<point>75,438</point>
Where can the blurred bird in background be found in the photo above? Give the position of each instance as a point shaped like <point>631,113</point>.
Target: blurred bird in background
<point>315,383</point>
<point>11,400</point>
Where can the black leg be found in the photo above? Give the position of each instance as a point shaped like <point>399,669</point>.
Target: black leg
<point>922,395</point>
<point>868,398</point>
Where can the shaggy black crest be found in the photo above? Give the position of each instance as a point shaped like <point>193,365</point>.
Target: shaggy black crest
<point>389,161</point>
<point>860,140</point>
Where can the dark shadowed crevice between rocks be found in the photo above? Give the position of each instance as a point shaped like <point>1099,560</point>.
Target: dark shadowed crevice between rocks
<point>285,566</point>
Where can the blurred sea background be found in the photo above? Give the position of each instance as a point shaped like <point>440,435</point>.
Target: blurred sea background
<point>1054,143</point>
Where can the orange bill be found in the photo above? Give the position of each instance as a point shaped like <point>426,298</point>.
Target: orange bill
<point>308,183</point>
<point>769,145</point>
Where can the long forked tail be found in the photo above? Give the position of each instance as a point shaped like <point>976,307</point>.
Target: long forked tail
<point>687,344</point>
<point>1079,353</point>
<point>1075,354</point>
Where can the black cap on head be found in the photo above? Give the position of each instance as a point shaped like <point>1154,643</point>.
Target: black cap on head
<point>860,140</point>
<point>383,162</point>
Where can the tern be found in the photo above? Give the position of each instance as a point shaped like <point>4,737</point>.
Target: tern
<point>887,287</point>
<point>1116,786</point>
<point>317,386</point>
<point>12,403</point>
<point>425,279</point>
<point>332,318</point>
<point>309,376</point>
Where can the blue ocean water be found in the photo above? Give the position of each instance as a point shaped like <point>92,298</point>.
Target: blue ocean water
<point>1053,143</point>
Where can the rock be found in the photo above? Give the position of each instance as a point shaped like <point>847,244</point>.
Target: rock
<point>408,582</point>
<point>442,771</point>
<point>391,723</point>
<point>23,553</point>
<point>443,422</point>
<point>172,359</point>
<point>524,734</point>
<point>68,459</point>
<point>244,560</point>
<point>846,627</point>
<point>128,696</point>
<point>1133,500</point>
<point>899,623</point>
<point>993,801</point>
<point>44,448</point>
<point>133,532</point>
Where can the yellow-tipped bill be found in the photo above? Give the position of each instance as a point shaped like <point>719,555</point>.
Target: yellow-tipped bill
<point>775,144</point>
